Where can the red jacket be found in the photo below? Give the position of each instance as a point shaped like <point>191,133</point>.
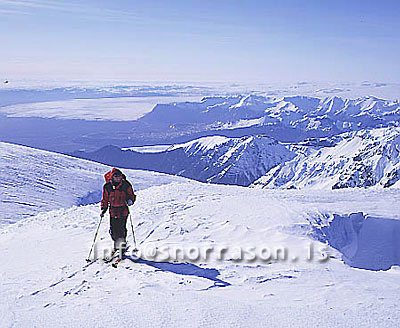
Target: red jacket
<point>116,197</point>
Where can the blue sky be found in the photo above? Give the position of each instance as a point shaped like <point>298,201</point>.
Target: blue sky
<point>243,41</point>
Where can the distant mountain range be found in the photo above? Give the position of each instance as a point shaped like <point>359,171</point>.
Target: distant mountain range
<point>254,139</point>
<point>289,119</point>
<point>268,142</point>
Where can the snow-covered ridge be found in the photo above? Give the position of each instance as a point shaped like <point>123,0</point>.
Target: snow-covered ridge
<point>367,158</point>
<point>149,149</point>
<point>201,144</point>
<point>214,159</point>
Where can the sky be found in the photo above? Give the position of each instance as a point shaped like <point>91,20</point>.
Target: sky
<point>220,40</point>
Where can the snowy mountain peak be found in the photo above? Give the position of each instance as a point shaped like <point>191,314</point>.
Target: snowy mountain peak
<point>201,144</point>
<point>361,159</point>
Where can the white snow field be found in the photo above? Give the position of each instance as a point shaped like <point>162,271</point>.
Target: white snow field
<point>45,281</point>
<point>35,180</point>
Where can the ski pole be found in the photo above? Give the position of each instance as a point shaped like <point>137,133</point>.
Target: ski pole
<point>94,240</point>
<point>133,234</point>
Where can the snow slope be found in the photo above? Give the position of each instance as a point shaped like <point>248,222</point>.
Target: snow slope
<point>214,159</point>
<point>34,180</point>
<point>361,159</point>
<point>46,282</point>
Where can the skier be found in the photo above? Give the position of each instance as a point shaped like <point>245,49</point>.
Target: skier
<point>117,196</point>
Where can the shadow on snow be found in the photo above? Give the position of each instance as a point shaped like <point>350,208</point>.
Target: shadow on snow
<point>186,269</point>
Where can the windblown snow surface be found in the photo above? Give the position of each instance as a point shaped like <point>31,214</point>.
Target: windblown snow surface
<point>45,281</point>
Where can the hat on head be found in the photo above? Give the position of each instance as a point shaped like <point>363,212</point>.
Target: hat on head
<point>116,172</point>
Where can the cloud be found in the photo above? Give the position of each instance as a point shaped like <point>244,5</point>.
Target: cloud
<point>18,7</point>
<point>13,12</point>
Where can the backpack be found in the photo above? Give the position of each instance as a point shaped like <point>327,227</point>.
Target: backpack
<point>109,174</point>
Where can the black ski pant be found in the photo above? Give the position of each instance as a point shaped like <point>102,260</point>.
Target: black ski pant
<point>118,230</point>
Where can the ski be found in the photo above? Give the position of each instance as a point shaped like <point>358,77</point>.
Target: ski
<point>118,258</point>
<point>116,262</point>
<point>111,257</point>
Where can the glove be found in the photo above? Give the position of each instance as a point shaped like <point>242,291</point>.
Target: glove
<point>129,202</point>
<point>103,212</point>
